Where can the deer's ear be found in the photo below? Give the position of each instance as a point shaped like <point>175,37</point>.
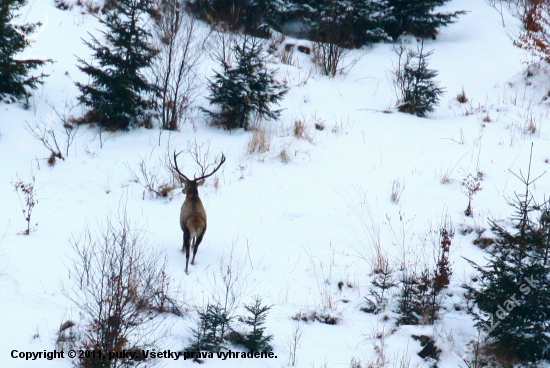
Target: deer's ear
<point>200,182</point>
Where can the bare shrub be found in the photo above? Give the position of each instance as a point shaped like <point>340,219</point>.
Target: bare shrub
<point>287,57</point>
<point>46,135</point>
<point>259,141</point>
<point>154,183</point>
<point>328,57</point>
<point>175,69</point>
<point>397,189</point>
<point>293,342</point>
<point>46,132</point>
<point>470,186</point>
<point>535,35</point>
<point>28,201</point>
<point>119,284</point>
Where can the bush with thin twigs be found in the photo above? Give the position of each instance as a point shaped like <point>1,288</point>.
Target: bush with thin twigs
<point>28,201</point>
<point>120,285</point>
<point>470,186</point>
<point>397,189</point>
<point>328,57</point>
<point>535,35</point>
<point>154,183</point>
<point>175,68</point>
<point>46,135</point>
<point>294,341</point>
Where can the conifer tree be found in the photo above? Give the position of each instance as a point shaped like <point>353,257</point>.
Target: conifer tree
<point>14,73</point>
<point>414,17</point>
<point>115,95</point>
<point>245,90</point>
<point>511,299</point>
<point>254,340</point>
<point>208,334</point>
<point>416,89</point>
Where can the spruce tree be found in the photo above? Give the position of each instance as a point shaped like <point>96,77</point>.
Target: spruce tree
<point>417,91</point>
<point>245,90</point>
<point>115,95</point>
<point>511,299</point>
<point>254,340</point>
<point>208,334</point>
<point>414,17</point>
<point>14,73</point>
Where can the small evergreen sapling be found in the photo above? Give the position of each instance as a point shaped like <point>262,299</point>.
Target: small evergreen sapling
<point>255,340</point>
<point>244,90</point>
<point>417,92</point>
<point>207,336</point>
<point>382,282</point>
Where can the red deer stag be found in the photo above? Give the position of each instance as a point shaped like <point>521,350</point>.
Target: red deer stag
<point>192,215</point>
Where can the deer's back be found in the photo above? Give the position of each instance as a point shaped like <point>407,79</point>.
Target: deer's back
<point>193,215</point>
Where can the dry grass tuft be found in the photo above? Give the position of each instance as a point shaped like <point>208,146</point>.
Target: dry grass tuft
<point>461,97</point>
<point>284,156</point>
<point>259,141</point>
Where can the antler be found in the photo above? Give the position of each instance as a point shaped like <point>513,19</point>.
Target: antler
<point>175,167</point>
<point>222,160</point>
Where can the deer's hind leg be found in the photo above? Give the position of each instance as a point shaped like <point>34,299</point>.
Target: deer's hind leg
<point>198,240</point>
<point>186,248</point>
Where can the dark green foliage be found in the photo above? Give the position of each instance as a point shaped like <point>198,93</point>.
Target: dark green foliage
<point>419,299</point>
<point>255,339</point>
<point>343,23</point>
<point>382,281</point>
<point>414,17</point>
<point>414,83</point>
<point>359,22</point>
<point>255,17</point>
<point>511,299</point>
<point>410,300</point>
<point>244,90</point>
<point>115,94</point>
<point>208,336</point>
<point>14,74</point>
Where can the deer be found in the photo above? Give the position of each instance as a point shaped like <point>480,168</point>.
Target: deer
<point>192,214</point>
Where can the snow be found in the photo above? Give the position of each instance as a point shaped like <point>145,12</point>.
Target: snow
<point>293,230</point>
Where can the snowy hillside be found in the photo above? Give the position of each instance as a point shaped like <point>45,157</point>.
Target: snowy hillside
<point>298,224</point>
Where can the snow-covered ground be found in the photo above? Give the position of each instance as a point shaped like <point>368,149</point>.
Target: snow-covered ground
<point>293,230</point>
